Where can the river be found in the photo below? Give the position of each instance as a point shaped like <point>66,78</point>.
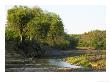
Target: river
<point>40,65</point>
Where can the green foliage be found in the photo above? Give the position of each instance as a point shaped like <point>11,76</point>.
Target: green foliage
<point>56,31</point>
<point>72,39</point>
<point>11,35</point>
<point>47,29</point>
<point>18,17</point>
<point>94,39</point>
<point>34,24</point>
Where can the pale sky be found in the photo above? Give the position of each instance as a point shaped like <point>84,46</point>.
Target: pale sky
<point>79,18</point>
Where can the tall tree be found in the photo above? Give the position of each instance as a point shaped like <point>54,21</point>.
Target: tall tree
<point>19,17</point>
<point>56,31</point>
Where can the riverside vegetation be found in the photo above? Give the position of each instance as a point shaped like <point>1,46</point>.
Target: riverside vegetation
<point>32,32</point>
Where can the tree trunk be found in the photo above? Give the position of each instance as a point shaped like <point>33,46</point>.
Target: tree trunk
<point>21,38</point>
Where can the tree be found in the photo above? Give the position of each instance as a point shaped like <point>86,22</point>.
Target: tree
<point>99,41</point>
<point>19,17</point>
<point>56,31</point>
<point>73,40</point>
<point>95,39</point>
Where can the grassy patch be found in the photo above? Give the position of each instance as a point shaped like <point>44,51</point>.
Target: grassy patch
<point>96,62</point>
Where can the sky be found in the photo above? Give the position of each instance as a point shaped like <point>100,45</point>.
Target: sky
<point>78,19</point>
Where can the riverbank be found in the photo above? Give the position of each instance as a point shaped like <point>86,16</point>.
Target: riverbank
<point>14,62</point>
<point>95,62</point>
<point>72,52</point>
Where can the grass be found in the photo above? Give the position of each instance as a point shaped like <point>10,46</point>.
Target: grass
<point>95,62</point>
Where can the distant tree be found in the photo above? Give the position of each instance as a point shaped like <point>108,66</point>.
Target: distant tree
<point>73,40</point>
<point>99,41</point>
<point>95,39</point>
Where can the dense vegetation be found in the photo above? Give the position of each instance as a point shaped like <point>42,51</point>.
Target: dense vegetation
<point>33,30</point>
<point>89,61</point>
<point>94,39</point>
<point>31,33</point>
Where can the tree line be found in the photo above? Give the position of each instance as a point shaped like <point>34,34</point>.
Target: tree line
<point>95,39</point>
<point>36,29</point>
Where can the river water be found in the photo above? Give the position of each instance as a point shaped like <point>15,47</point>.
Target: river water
<point>60,63</point>
<point>39,65</point>
<point>14,63</point>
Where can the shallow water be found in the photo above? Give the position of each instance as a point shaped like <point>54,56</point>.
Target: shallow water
<point>40,65</point>
<point>54,62</point>
<point>60,63</point>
